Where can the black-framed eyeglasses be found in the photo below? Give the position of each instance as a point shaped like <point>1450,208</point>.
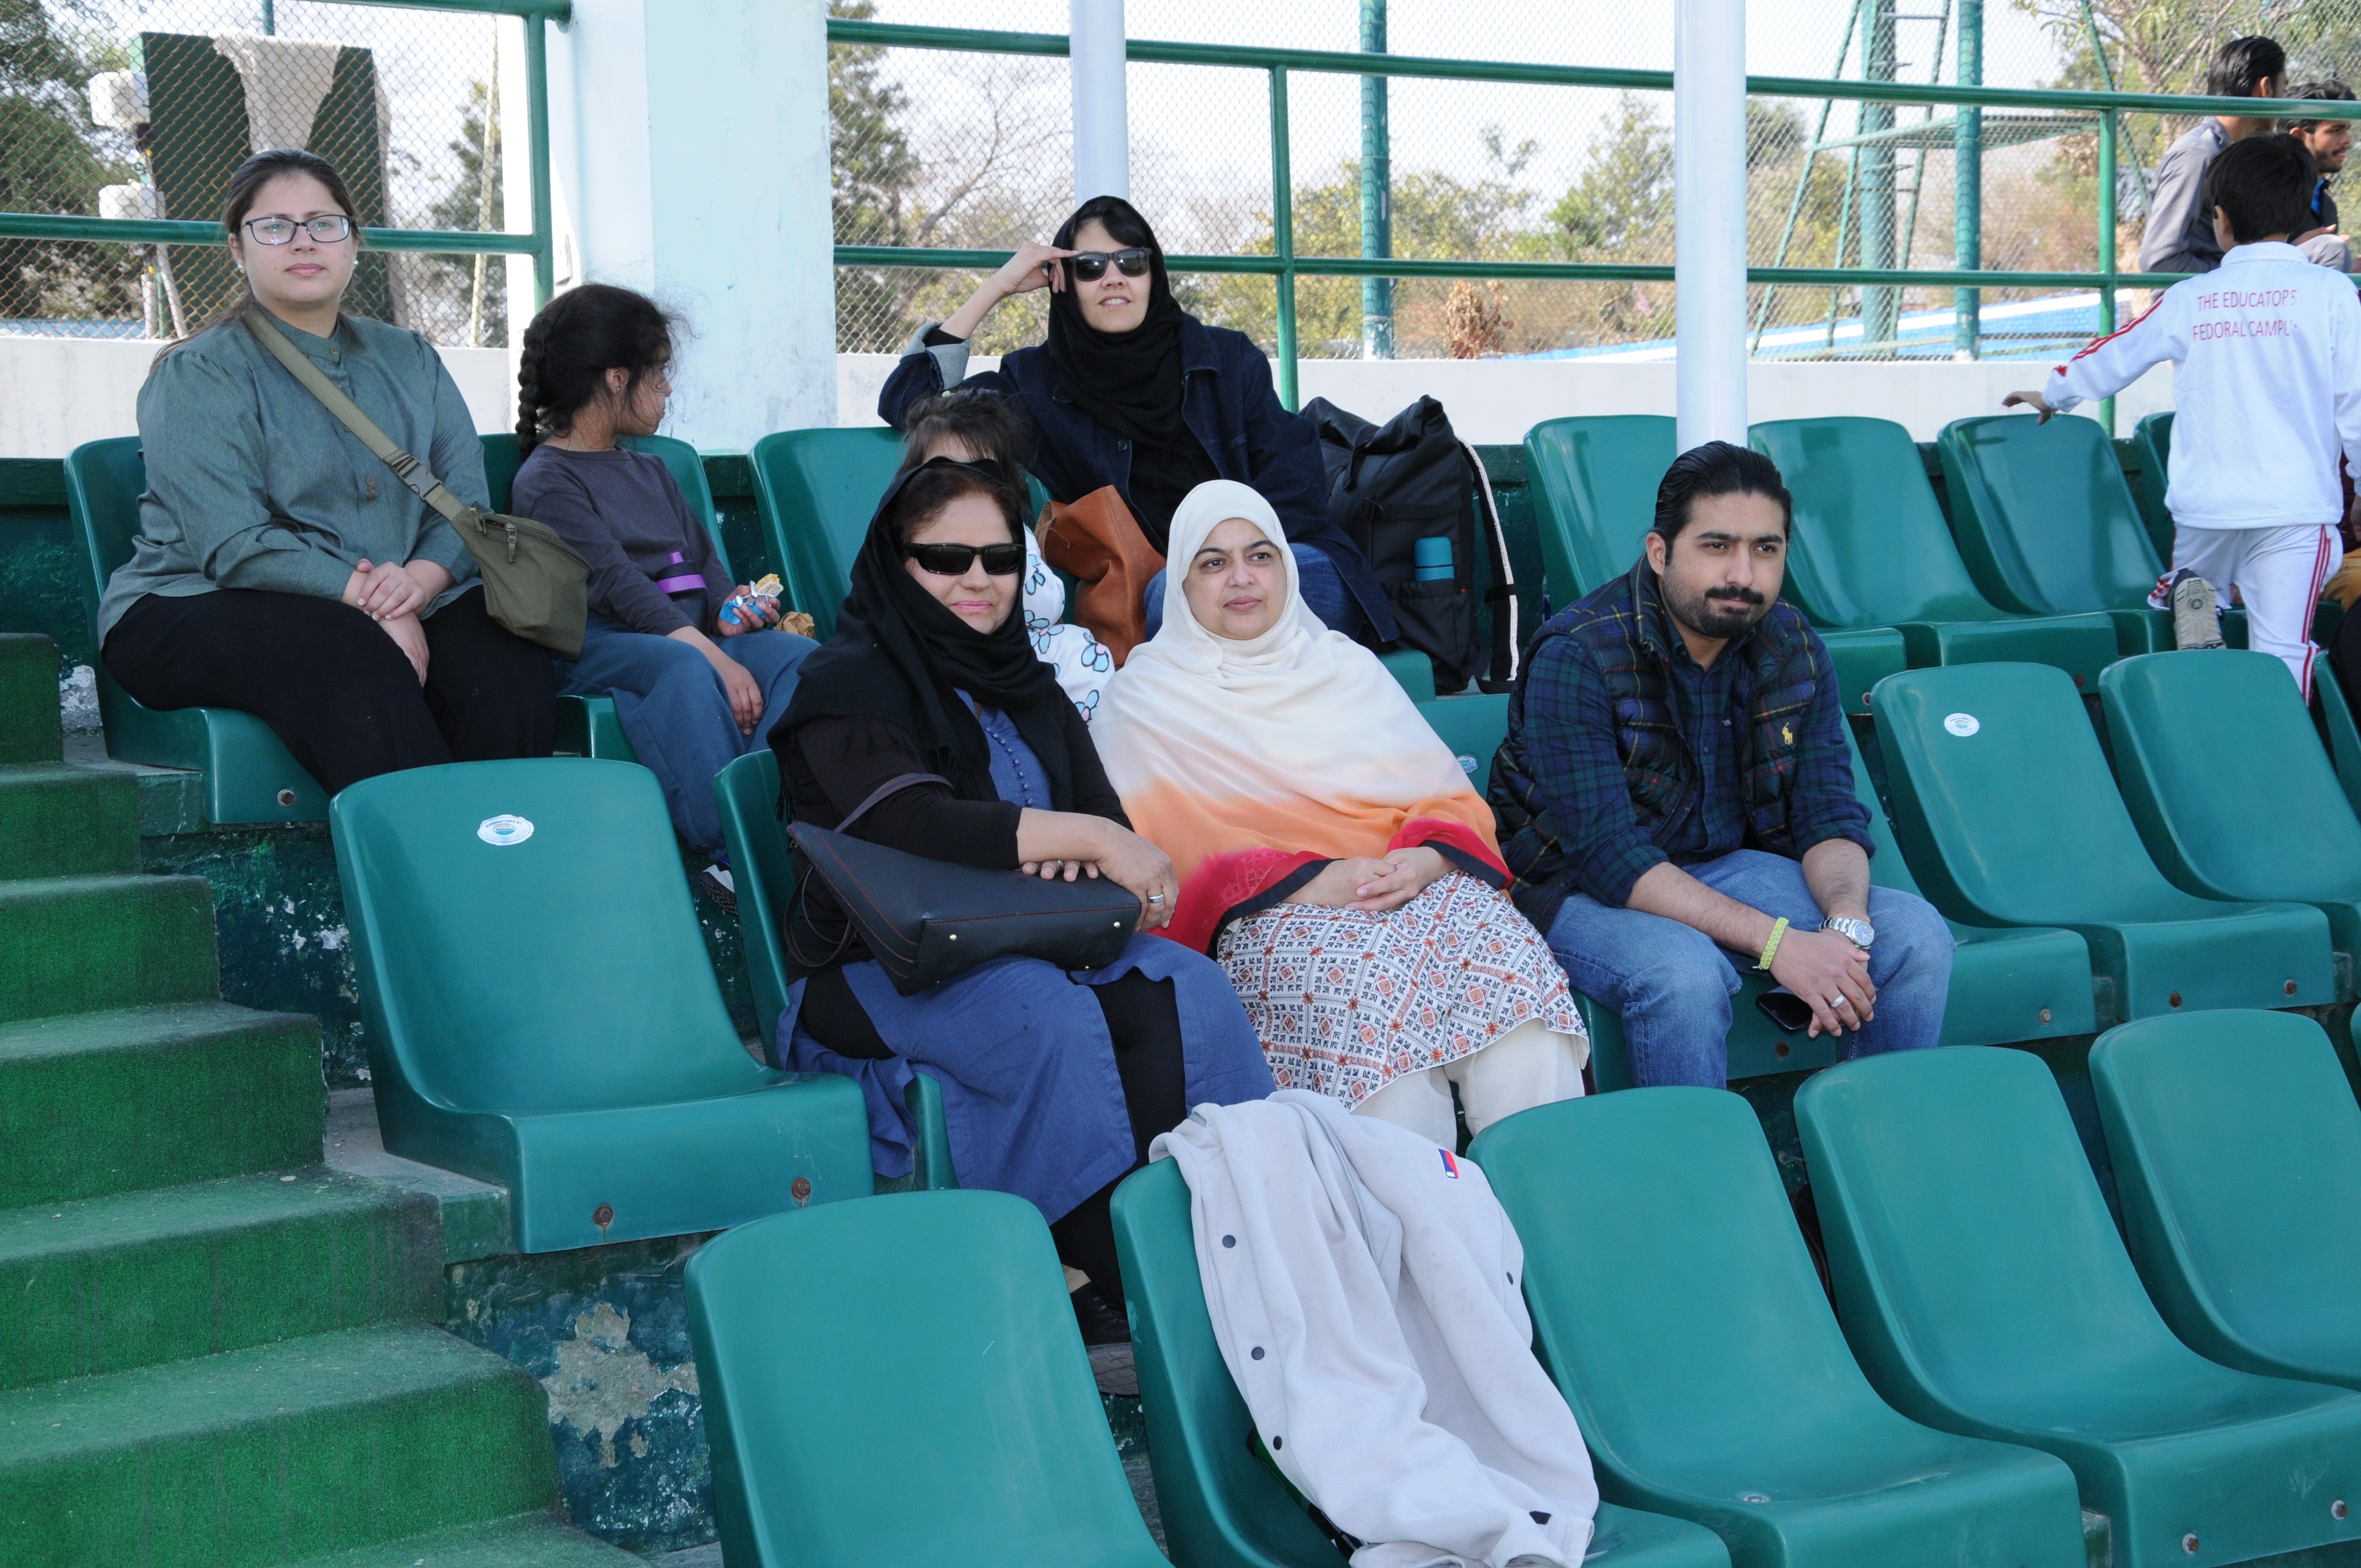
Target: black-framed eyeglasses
<point>327,228</point>
<point>1090,266</point>
<point>953,560</point>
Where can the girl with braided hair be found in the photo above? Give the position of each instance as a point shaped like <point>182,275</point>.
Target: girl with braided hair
<point>697,680</point>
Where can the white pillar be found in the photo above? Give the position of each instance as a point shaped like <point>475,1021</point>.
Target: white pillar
<point>1709,217</point>
<point>1102,118</point>
<point>689,147</point>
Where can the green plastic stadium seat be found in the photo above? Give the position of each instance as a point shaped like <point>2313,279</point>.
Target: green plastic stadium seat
<point>248,775</point>
<point>748,794</point>
<point>2343,735</point>
<point>1596,479</point>
<point>2191,786</point>
<point>1871,549</point>
<point>900,1380</point>
<point>2047,525</point>
<point>816,490</point>
<point>1413,671</point>
<point>1222,1505</point>
<point>2004,804</point>
<point>1676,1306</point>
<point>1473,725</point>
<point>587,726</point>
<point>2235,1140</point>
<point>1985,1290</point>
<point>2026,982</point>
<point>2152,443</point>
<point>542,1012</point>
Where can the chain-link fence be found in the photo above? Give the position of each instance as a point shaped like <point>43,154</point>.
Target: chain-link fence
<point>971,150</point>
<point>120,109</point>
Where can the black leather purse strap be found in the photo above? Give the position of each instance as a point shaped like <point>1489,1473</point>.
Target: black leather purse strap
<point>887,791</point>
<point>884,792</point>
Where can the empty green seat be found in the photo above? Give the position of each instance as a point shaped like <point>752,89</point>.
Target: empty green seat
<point>900,1380</point>
<point>542,1012</point>
<point>1985,1290</point>
<point>2010,816</point>
<point>587,726</point>
<point>2008,984</point>
<point>1223,1504</point>
<point>1676,1306</point>
<point>2201,741</point>
<point>1595,480</point>
<point>816,490</point>
<point>1473,725</point>
<point>2047,525</point>
<point>747,791</point>
<point>2236,1142</point>
<point>2343,735</point>
<point>2152,444</point>
<point>1871,549</point>
<point>248,775</point>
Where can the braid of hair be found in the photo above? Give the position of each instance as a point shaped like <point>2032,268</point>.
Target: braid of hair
<point>528,393</point>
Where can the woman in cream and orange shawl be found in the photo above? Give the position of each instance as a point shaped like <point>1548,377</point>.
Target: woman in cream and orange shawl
<point>1334,858</point>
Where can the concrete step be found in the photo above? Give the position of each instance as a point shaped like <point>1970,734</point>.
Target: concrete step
<point>59,820</point>
<point>88,944</point>
<point>142,1097</point>
<point>103,1284</point>
<point>272,1455</point>
<point>534,1541</point>
<point>29,731</point>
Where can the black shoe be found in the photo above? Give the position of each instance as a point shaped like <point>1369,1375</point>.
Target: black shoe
<point>716,882</point>
<point>1100,1323</point>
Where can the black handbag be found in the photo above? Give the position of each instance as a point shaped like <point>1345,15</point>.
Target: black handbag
<point>925,920</point>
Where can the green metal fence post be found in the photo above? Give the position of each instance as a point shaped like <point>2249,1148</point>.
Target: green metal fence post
<point>1376,192</point>
<point>1283,232</point>
<point>1879,308</point>
<point>1968,184</point>
<point>2107,245</point>
<point>544,243</point>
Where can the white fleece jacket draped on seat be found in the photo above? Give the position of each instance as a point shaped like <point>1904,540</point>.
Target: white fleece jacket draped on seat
<point>1364,1287</point>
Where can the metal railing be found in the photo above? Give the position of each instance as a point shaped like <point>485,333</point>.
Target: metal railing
<point>539,243</point>
<point>1285,265</point>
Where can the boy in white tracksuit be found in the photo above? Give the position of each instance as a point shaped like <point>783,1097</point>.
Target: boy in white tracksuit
<point>2266,354</point>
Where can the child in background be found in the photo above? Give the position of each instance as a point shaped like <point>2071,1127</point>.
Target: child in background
<point>969,425</point>
<point>694,688</point>
<point>2267,357</point>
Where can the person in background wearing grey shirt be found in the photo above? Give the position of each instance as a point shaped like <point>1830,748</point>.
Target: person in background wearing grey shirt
<point>2179,233</point>
<point>696,672</point>
<point>280,567</point>
<point>2328,141</point>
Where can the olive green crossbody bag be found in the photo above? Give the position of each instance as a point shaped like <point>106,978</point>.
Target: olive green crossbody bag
<point>534,582</point>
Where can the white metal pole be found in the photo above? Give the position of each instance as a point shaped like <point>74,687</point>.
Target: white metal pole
<point>1102,120</point>
<point>1709,217</point>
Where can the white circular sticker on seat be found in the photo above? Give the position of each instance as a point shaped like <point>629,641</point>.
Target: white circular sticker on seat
<point>503,830</point>
<point>1958,724</point>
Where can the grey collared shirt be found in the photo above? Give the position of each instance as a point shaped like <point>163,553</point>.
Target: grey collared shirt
<point>253,484</point>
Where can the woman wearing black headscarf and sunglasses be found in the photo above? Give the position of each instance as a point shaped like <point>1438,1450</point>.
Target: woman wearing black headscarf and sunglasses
<point>1133,391</point>
<point>1053,1083</point>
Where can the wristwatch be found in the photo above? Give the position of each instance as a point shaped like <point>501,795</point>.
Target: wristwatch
<point>1859,933</point>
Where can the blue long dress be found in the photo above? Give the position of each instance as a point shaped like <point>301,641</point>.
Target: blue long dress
<point>1031,1099</point>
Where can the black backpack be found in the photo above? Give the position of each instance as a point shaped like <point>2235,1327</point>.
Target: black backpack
<point>1407,493</point>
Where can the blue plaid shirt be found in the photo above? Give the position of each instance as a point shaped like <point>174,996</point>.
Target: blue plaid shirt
<point>1569,732</point>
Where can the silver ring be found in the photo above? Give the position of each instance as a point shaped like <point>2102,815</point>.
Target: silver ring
<point>1155,898</point>
<point>1837,1001</point>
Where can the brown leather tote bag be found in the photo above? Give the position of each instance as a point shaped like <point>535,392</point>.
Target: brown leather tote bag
<point>1096,541</point>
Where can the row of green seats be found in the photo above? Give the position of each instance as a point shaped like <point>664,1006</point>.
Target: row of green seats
<point>1996,1362</point>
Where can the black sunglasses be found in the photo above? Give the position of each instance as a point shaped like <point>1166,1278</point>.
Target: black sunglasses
<point>1090,266</point>
<point>952,560</point>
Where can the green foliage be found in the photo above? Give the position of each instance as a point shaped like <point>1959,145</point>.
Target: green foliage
<point>467,205</point>
<point>872,175</point>
<point>52,159</point>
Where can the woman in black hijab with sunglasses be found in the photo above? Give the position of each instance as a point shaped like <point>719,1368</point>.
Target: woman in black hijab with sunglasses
<point>1053,1083</point>
<point>1132,390</point>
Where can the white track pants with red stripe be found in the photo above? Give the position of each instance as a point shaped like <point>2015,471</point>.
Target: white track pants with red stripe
<point>2277,572</point>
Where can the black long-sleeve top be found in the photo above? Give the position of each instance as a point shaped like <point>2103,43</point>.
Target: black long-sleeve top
<point>831,765</point>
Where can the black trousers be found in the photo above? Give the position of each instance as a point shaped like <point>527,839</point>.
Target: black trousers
<point>334,686</point>
<point>1144,1018</point>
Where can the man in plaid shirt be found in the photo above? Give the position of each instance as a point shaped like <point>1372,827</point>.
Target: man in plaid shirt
<point>1675,797</point>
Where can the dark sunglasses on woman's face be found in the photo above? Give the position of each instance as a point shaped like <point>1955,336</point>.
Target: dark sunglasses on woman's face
<point>952,560</point>
<point>1090,266</point>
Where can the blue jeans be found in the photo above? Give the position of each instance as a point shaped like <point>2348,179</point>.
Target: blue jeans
<point>1671,984</point>
<point>1324,593</point>
<point>675,713</point>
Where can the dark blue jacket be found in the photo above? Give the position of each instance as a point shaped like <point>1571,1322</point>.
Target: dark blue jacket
<point>1228,404</point>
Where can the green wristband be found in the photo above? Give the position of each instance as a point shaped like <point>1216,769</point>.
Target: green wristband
<point>1771,948</point>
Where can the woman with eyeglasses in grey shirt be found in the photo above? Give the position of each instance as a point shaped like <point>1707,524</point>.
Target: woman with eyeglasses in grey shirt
<point>280,567</point>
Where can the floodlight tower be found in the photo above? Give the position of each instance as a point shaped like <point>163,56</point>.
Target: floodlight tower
<point>1710,218</point>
